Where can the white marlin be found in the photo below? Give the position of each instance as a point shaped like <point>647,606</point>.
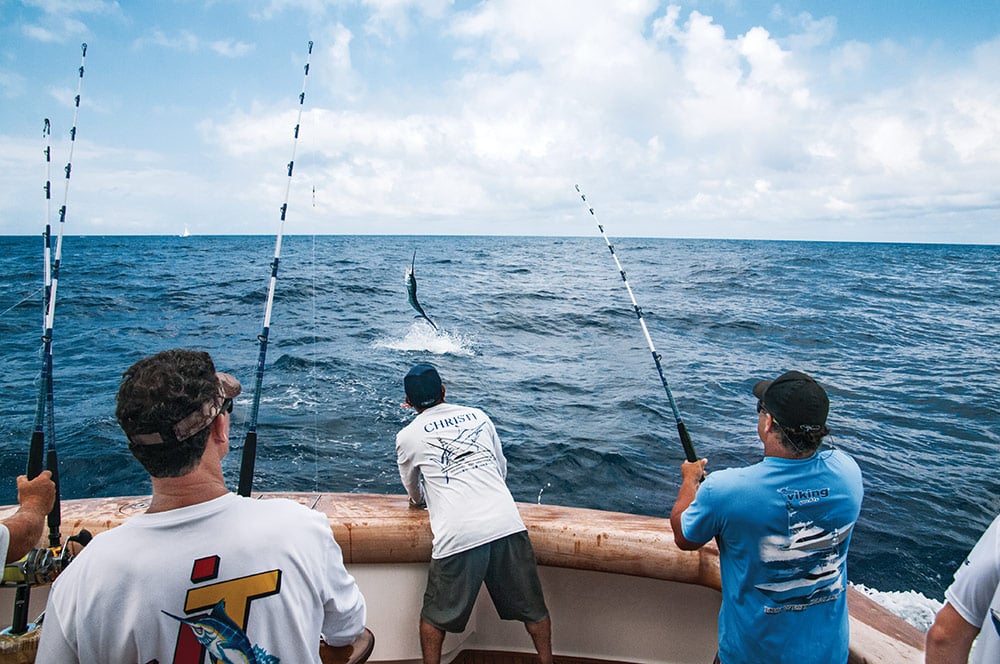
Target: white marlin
<point>411,291</point>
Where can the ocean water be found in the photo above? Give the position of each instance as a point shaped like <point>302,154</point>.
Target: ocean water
<point>540,333</point>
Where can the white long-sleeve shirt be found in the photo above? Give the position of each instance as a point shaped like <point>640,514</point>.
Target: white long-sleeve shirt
<point>450,457</point>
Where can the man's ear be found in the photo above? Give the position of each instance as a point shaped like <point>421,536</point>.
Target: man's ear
<point>220,429</point>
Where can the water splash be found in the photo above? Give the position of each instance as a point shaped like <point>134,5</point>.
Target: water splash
<point>912,606</point>
<point>422,337</point>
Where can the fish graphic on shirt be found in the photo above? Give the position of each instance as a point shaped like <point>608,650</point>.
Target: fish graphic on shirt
<point>223,638</point>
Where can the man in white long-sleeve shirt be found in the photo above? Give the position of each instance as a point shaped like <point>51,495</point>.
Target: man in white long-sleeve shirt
<point>450,460</point>
<point>202,570</point>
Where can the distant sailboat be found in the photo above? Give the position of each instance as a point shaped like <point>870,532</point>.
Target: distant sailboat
<point>186,232</point>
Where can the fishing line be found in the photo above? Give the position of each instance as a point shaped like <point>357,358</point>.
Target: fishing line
<point>250,443</point>
<point>681,428</point>
<point>313,370</point>
<point>22,301</point>
<point>43,445</point>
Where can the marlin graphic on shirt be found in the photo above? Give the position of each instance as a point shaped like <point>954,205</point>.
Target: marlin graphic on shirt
<point>462,452</point>
<point>224,640</point>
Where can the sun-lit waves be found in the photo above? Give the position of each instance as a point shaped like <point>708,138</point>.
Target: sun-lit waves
<point>422,337</point>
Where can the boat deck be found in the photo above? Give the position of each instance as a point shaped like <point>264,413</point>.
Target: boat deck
<point>502,657</point>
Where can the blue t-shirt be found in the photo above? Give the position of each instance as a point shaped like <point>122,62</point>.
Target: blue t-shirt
<point>783,529</point>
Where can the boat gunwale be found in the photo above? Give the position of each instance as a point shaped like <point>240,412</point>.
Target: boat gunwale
<point>386,529</point>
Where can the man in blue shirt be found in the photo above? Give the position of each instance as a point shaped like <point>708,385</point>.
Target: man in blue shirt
<point>783,527</point>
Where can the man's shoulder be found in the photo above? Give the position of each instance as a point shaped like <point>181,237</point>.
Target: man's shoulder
<point>841,463</point>
<point>444,412</point>
<point>277,504</point>
<point>448,408</point>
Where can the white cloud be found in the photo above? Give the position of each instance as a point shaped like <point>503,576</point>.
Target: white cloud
<point>185,40</point>
<point>889,143</point>
<point>58,21</point>
<point>815,33</point>
<point>675,125</point>
<point>333,64</point>
<point>395,17</point>
<point>684,121</point>
<point>850,59</point>
<point>38,33</point>
<point>11,84</point>
<point>230,48</point>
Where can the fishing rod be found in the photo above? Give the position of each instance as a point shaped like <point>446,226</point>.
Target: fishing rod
<point>682,431</point>
<point>55,516</point>
<point>54,520</point>
<point>42,445</point>
<point>47,291</point>
<point>250,443</point>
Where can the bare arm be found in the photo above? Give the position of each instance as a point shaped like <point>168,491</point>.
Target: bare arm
<point>950,638</point>
<point>692,472</point>
<point>35,499</point>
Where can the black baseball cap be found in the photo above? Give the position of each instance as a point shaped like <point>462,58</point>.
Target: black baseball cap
<point>423,386</point>
<point>795,401</point>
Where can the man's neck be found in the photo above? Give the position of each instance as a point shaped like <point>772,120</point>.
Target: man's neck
<point>773,447</point>
<point>198,486</point>
<point>172,497</point>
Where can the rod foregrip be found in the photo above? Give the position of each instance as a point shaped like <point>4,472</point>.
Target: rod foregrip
<point>247,464</point>
<point>19,619</point>
<point>36,455</point>
<point>55,516</point>
<point>689,452</point>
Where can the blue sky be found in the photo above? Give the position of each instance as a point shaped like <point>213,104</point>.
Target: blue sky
<point>850,120</point>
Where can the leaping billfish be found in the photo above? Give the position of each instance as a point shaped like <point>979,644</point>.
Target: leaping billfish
<point>411,291</point>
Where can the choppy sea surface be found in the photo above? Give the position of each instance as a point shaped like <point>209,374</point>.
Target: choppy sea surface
<point>541,334</point>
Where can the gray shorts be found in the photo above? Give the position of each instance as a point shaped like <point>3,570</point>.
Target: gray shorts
<point>508,568</point>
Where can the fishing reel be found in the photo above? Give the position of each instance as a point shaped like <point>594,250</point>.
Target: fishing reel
<point>40,567</point>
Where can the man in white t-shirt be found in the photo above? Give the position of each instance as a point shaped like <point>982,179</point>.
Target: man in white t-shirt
<point>972,608</point>
<point>450,460</point>
<point>20,532</point>
<point>203,569</point>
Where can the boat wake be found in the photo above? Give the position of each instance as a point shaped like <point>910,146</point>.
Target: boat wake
<point>422,337</point>
<point>912,606</point>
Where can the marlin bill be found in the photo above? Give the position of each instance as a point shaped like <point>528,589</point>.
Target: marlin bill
<point>411,291</point>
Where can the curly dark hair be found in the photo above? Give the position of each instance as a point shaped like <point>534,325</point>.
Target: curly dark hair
<point>156,393</point>
<point>803,443</point>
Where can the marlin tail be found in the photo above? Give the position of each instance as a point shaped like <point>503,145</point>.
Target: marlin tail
<point>411,291</point>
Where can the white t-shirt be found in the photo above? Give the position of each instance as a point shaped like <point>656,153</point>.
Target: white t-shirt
<point>450,457</point>
<point>4,542</point>
<point>975,594</point>
<point>263,576</point>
